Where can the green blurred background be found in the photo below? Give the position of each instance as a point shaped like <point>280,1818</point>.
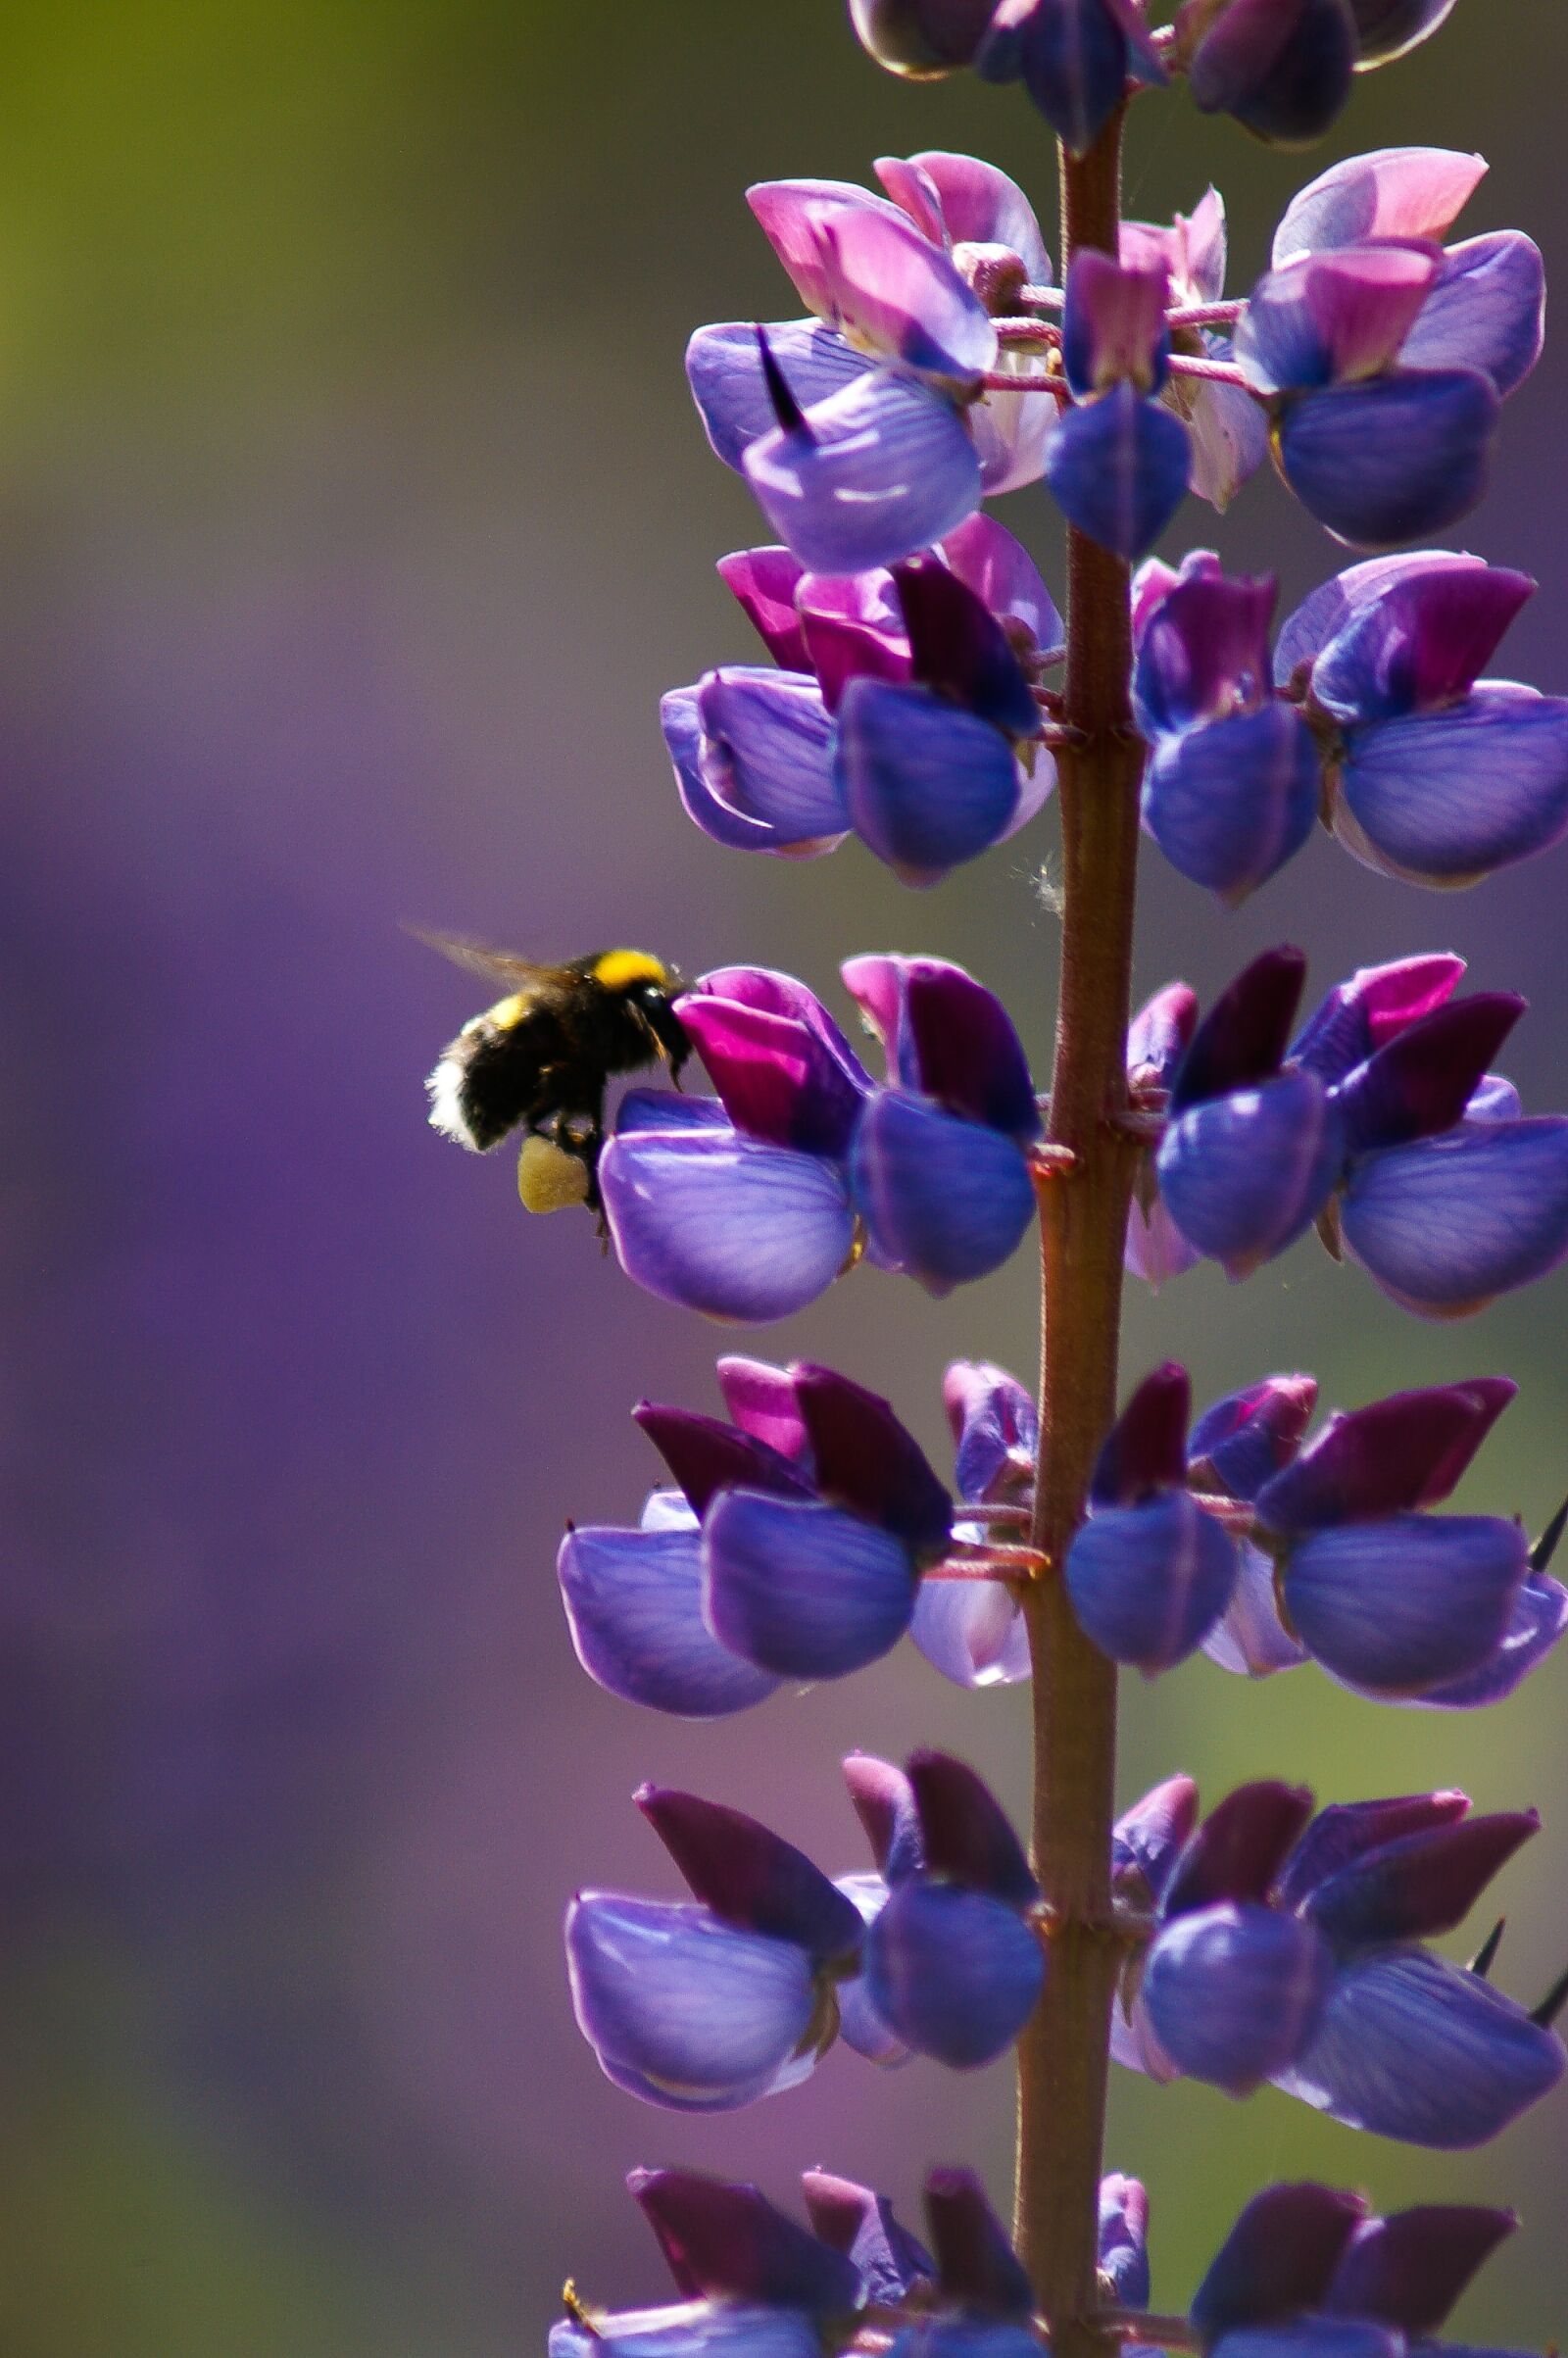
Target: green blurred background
<point>354,519</point>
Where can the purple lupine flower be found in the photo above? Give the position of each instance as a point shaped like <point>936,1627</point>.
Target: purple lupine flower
<point>750,2277</point>
<point>1289,1947</point>
<point>973,1631</point>
<point>1433,774</point>
<point>1305,2264</point>
<point>1284,67</point>
<point>704,2006</point>
<point>748,1204</point>
<point>1118,461</point>
<point>920,732</point>
<point>1403,1144</point>
<point>1158,1039</point>
<point>1377,1558</point>
<point>793,1561</point>
<point>1232,782</point>
<point>860,430</point>
<point>1383,355</point>
<point>1486,306</point>
<point>1148,1571</point>
<point>1073,57</point>
<point>1253,1147</point>
<point>952,1962</point>
<point>1225,426</point>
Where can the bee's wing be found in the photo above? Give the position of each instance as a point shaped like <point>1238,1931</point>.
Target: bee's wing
<point>478,957</point>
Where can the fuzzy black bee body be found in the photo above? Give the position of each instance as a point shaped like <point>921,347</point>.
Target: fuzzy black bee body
<point>540,1058</point>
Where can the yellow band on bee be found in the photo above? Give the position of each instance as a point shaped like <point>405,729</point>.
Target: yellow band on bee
<point>619,969</point>
<point>505,1013</point>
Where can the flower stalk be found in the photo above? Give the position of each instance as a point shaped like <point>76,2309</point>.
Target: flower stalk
<point>1063,2054</point>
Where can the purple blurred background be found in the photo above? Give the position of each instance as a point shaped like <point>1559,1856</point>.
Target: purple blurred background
<point>354,519</point>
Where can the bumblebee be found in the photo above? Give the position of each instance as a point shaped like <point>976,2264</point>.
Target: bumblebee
<point>539,1059</point>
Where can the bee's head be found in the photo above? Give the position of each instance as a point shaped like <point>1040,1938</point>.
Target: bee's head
<point>657,1001</point>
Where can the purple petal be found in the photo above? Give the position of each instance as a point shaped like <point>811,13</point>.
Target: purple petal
<point>860,2224</point>
<point>865,1459</point>
<point>803,1589</point>
<point>978,2272</point>
<point>1486,311</point>
<point>1388,28</point>
<point>860,2024</point>
<point>724,370</point>
<point>720,1223</point>
<point>782,995</point>
<point>1408,2270</point>
<point>900,295</point>
<point>1148,1583</point>
<point>1071,56</point>
<point>1408,1602</point>
<point>683,2011</point>
<point>777,1079</point>
<point>996,1428</point>
<point>945,1199</point>
<point>964,1832</point>
<point>1249,1639</point>
<point>667,1110</point>
<point>948,1037</point>
<point>1227,429</point>
<point>1375,1006</point>
<point>1240,1848</point>
<point>1413,2047</point>
<point>852,627</point>
<point>1146,1449</point>
<point>1277,2259</point>
<point>973,1631</point>
<point>1191,251</point>
<point>1246,1438</point>
<point>1000,570</point>
<point>1161,1032</point>
<point>750,1876</point>
<point>1392,460</point>
<point>1315,2337</point>
<point>793,215</point>
<point>1244,1175</point>
<point>1230,803</point>
<point>1449,797</point>
<point>760,1399</point>
<point>766,753</point>
<point>925,785</point>
<point>883,1799</point>
<point>1118,469</point>
<point>1400,1454</point>
<point>954,1972</point>
<point>728,2242</point>
<point>1012,431</point>
<point>695,2330</point>
<point>1113,323</point>
<point>1283,67</point>
<point>1321,617</point>
<point>1395,192</point>
<point>1418,1887</point>
<point>1333,318</point>
<point>877,471</point>
<point>1242,1040</point>
<point>1123,2239</point>
<point>980,206</point>
<point>1449,1224</point>
<point>1155,1249</point>
<point>960,648</point>
<point>1350,1830</point>
<point>1147,1840</point>
<point>1202,651</point>
<point>678,716</point>
<point>1539,1620</point>
<point>1234,1992</point>
<point>764,582</point>
<point>1419,645</point>
<point>634,1603</point>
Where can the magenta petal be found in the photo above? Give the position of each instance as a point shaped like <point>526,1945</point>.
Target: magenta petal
<point>793,214</point>
<point>751,1877</point>
<point>875,473</point>
<point>981,206</point>
<point>720,1223</point>
<point>760,1399</point>
<point>1000,570</point>
<point>852,626</point>
<point>728,2243</point>
<point>777,1079</point>
<point>894,291</point>
<point>764,581</point>
<point>1420,643</point>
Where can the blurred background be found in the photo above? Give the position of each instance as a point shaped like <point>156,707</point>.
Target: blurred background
<point>354,519</point>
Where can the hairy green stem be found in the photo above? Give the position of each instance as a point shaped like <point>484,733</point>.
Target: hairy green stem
<point>1062,2056</point>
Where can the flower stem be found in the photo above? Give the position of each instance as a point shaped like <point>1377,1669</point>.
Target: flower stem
<point>1062,2056</point>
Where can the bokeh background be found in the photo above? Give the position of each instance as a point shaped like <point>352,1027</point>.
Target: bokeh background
<point>354,517</point>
